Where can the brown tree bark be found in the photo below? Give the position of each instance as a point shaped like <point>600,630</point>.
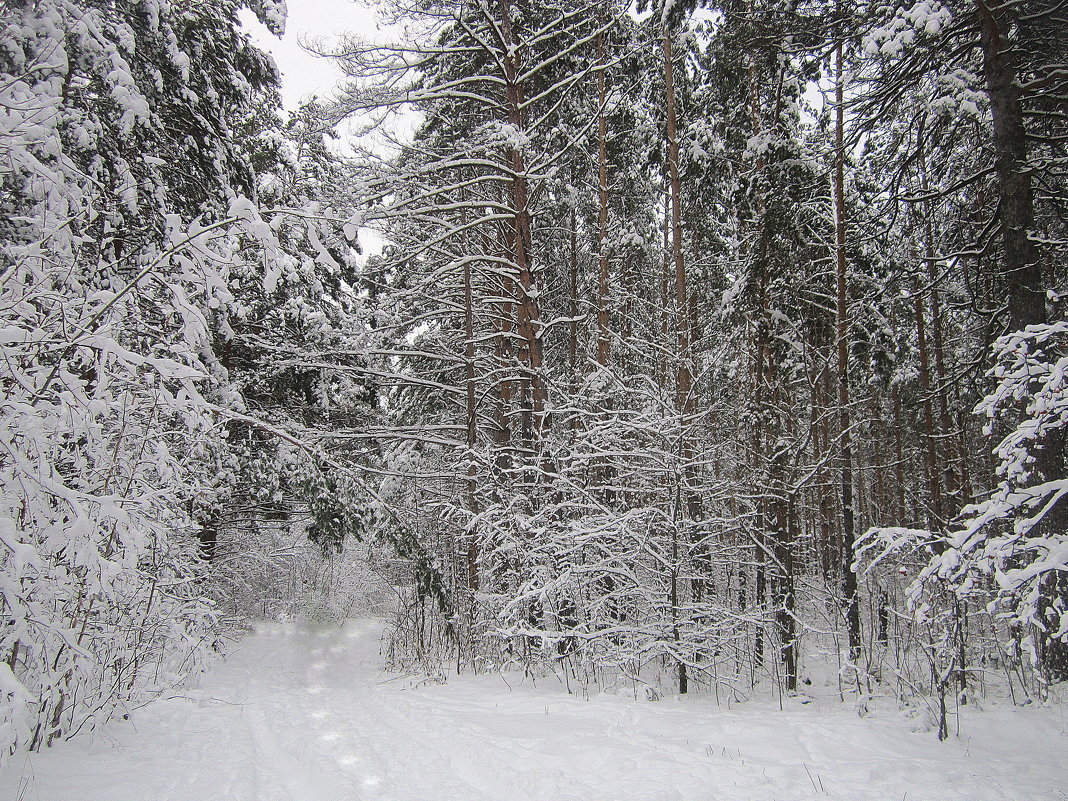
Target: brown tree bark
<point>849,578</point>
<point>602,209</point>
<point>663,363</point>
<point>572,341</point>
<point>1020,264</point>
<point>472,420</point>
<point>504,354</point>
<point>934,484</point>
<point>528,310</point>
<point>1016,215</point>
<point>683,377</point>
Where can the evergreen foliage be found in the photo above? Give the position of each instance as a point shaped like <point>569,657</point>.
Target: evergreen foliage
<point>140,279</point>
<point>752,341</point>
<point>700,341</point>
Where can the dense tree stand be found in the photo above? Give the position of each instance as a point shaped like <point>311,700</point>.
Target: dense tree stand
<point>714,349</point>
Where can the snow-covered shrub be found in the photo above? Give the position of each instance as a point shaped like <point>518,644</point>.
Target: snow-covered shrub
<point>123,231</point>
<point>97,570</point>
<point>268,568</point>
<point>1009,552</point>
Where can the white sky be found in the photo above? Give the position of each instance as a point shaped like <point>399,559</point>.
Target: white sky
<point>304,74</point>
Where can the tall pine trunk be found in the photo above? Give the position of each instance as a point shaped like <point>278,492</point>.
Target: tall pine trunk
<point>602,209</point>
<point>849,578</point>
<point>683,378</point>
<point>528,310</point>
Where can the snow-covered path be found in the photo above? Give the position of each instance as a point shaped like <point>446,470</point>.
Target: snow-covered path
<point>305,715</point>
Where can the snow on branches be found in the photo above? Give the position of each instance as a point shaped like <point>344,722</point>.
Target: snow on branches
<point>128,256</point>
<point>1009,551</point>
<point>1016,535</point>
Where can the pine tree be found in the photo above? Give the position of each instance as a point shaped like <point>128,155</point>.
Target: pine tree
<point>132,251</point>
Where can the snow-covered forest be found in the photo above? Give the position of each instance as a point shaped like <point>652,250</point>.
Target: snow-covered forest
<point>707,349</point>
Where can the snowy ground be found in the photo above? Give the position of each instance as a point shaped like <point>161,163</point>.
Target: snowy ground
<point>300,714</point>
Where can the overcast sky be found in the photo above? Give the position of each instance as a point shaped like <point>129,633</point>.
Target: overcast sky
<point>304,74</point>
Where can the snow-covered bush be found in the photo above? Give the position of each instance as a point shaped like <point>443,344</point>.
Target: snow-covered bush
<point>122,229</point>
<point>1009,552</point>
<point>99,582</point>
<point>268,568</point>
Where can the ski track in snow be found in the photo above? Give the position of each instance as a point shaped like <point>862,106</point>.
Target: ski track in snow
<point>303,714</point>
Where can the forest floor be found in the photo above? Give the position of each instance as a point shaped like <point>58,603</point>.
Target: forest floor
<point>305,714</point>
